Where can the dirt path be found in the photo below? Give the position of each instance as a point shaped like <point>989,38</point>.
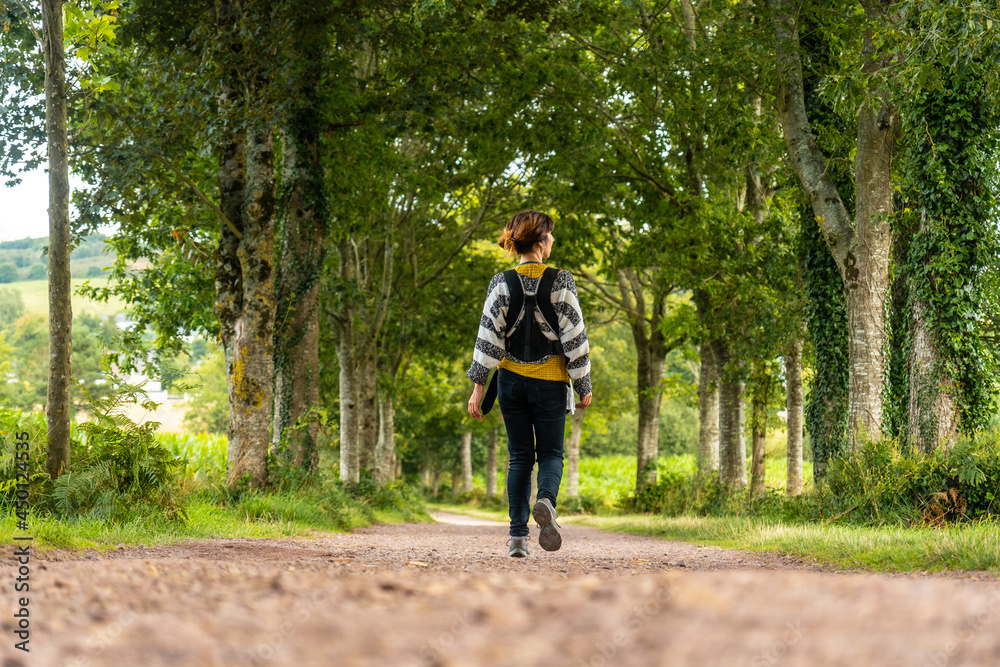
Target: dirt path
<point>446,594</point>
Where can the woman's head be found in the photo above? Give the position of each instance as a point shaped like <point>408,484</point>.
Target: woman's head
<point>524,230</point>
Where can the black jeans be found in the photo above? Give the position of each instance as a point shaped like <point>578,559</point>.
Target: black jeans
<point>534,413</point>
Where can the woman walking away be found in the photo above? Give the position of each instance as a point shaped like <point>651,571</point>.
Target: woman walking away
<point>532,332</point>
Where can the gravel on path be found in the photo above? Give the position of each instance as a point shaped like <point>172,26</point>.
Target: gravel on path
<point>446,594</point>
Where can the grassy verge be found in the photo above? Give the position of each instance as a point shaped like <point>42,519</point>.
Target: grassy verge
<point>466,510</point>
<point>270,515</point>
<point>195,503</point>
<point>883,549</point>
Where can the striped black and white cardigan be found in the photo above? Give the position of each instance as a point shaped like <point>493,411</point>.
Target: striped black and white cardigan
<point>490,351</point>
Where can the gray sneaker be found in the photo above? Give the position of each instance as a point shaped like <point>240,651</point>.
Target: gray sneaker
<point>518,547</point>
<point>549,536</point>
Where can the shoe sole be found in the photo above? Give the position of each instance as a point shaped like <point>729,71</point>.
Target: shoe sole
<point>549,536</point>
<point>518,554</point>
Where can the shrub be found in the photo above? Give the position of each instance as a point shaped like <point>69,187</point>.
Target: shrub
<point>396,496</point>
<point>879,483</point>
<point>12,423</point>
<point>8,272</point>
<point>119,467</point>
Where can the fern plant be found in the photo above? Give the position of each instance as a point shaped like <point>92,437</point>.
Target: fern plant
<point>12,423</point>
<point>119,465</point>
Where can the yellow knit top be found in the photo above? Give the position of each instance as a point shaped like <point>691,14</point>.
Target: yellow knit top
<point>554,368</point>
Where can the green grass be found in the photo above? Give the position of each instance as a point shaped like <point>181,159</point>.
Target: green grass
<point>883,549</point>
<point>36,297</point>
<point>209,511</point>
<point>475,512</point>
<point>266,515</point>
<point>205,454</point>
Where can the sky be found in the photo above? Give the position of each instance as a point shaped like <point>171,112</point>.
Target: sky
<point>24,208</point>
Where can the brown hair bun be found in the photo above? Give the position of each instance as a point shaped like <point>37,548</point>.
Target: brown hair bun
<point>524,230</point>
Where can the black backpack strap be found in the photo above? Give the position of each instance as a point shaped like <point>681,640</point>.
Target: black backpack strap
<point>545,298</point>
<point>490,397</point>
<point>516,299</point>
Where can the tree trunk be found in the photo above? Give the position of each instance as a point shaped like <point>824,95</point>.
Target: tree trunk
<point>732,442</point>
<point>253,349</point>
<point>690,26</point>
<point>793,409</point>
<point>349,467</point>
<point>245,299</point>
<point>826,407</point>
<point>57,406</point>
<point>435,482</point>
<point>933,408</point>
<point>866,272</point>
<point>649,425</point>
<point>759,441</point>
<point>708,411</point>
<point>455,479</point>
<point>573,455</point>
<point>491,463</point>
<point>467,461</point>
<point>229,269</point>
<point>367,409</point>
<point>650,372</point>
<point>862,248</point>
<point>304,214</point>
<point>385,451</point>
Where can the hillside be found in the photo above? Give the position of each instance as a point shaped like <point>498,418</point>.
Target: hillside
<point>24,260</point>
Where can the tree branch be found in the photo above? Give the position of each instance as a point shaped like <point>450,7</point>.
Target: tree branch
<point>806,157</point>
<point>205,198</point>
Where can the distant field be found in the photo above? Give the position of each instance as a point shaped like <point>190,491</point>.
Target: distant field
<point>36,297</point>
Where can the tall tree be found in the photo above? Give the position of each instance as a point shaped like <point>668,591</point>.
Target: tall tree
<point>826,304</point>
<point>57,407</point>
<point>860,247</point>
<point>304,218</point>
<point>466,450</point>
<point>794,412</point>
<point>245,275</point>
<point>949,181</point>
<point>573,454</point>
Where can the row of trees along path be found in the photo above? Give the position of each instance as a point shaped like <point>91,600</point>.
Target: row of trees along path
<point>318,185</point>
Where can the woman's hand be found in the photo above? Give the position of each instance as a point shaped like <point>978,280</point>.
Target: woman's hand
<point>585,401</point>
<point>475,401</point>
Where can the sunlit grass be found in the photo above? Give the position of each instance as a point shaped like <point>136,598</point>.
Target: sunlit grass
<point>207,510</point>
<point>206,455</point>
<point>885,548</point>
<point>35,294</point>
